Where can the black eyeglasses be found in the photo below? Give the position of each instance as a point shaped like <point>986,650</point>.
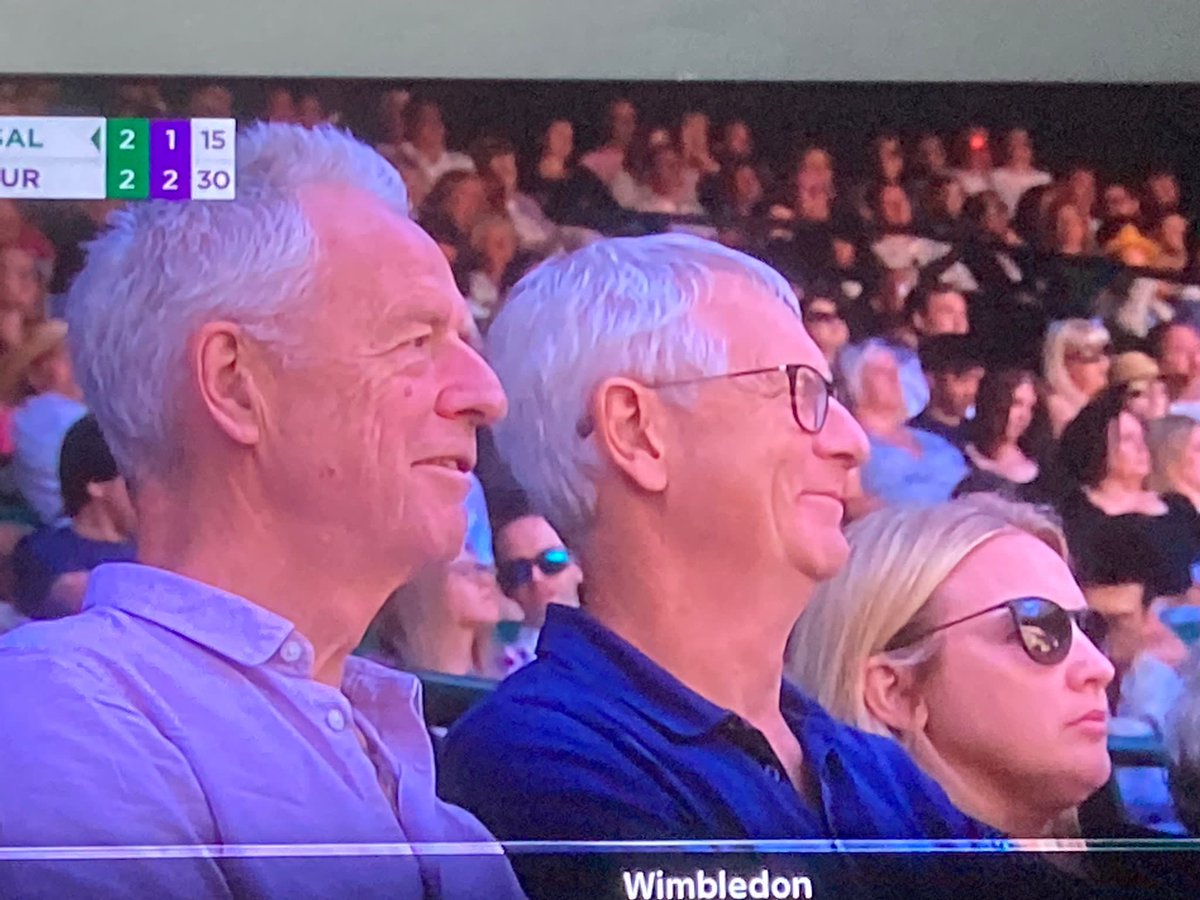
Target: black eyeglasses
<point>1043,626</point>
<point>513,573</point>
<point>810,393</point>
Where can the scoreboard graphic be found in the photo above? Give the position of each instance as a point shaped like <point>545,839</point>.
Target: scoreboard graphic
<point>91,158</point>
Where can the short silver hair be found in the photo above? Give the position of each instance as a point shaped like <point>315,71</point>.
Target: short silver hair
<point>853,362</point>
<point>163,269</point>
<point>617,307</point>
<point>1183,746</point>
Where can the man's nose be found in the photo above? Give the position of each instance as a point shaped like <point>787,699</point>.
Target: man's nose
<point>471,389</point>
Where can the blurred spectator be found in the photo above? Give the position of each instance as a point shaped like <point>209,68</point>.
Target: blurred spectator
<point>1145,392</point>
<point>921,637</point>
<point>496,162</point>
<point>823,319</point>
<point>1079,190</point>
<point>17,231</point>
<point>1184,747</point>
<point>973,160</point>
<point>494,248</point>
<point>1171,236</point>
<point>535,569</point>
<point>450,212</point>
<point>1175,346</point>
<point>444,618</point>
<point>906,465</point>
<point>139,99</point>
<point>1121,209</point>
<point>741,193</point>
<point>1075,366</point>
<point>40,423</point>
<point>992,251</point>
<point>1001,449</point>
<point>51,565</point>
<point>611,161</point>
<point>79,223</point>
<point>1103,452</point>
<point>312,111</point>
<point>696,153</point>
<point>425,150</point>
<point>21,296</point>
<point>953,368</point>
<point>803,217</point>
<point>928,164</point>
<point>392,122</point>
<point>886,166</point>
<point>280,105</point>
<point>898,246</point>
<point>943,200</point>
<point>666,190</point>
<point>1174,443</point>
<point>210,101</point>
<point>1018,174</point>
<point>1161,195</point>
<point>568,193</point>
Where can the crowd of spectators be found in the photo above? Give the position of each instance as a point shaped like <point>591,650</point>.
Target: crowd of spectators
<point>995,327</point>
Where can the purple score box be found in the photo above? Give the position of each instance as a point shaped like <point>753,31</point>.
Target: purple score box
<point>170,159</point>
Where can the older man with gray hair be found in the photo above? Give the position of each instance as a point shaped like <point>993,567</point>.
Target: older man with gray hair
<point>674,420</point>
<point>285,383</point>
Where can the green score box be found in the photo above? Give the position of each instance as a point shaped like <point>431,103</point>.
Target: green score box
<point>128,166</point>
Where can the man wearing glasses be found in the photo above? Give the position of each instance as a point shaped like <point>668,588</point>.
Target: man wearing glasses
<point>674,421</point>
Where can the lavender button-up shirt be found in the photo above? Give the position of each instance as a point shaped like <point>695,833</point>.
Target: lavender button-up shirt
<point>171,713</point>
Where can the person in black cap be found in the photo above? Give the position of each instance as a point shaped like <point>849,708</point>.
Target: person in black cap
<point>953,366</point>
<point>50,566</point>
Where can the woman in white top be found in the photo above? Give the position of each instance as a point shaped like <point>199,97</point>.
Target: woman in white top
<point>1018,174</point>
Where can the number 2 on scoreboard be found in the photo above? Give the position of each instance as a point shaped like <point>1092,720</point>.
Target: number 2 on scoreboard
<point>128,135</point>
<point>170,180</point>
<point>127,178</point>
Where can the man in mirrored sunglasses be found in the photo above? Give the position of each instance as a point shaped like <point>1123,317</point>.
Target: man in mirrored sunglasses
<point>678,429</point>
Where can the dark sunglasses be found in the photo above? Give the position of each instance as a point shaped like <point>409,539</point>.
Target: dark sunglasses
<point>1044,627</point>
<point>513,573</point>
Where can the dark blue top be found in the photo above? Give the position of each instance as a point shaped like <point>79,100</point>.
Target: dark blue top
<point>595,741</point>
<point>39,558</point>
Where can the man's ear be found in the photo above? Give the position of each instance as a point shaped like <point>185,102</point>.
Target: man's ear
<point>227,371</point>
<point>628,421</point>
<point>891,695</point>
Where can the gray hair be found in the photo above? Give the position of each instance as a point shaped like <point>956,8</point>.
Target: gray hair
<point>163,269</point>
<point>853,362</point>
<point>618,307</point>
<point>1183,746</point>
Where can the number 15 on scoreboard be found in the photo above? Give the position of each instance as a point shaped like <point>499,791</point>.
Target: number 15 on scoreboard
<point>213,170</point>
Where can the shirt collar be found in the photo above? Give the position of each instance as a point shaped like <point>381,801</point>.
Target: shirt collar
<point>617,670</point>
<point>224,623</point>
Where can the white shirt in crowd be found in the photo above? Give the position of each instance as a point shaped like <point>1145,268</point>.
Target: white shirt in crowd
<point>449,161</point>
<point>1011,184</point>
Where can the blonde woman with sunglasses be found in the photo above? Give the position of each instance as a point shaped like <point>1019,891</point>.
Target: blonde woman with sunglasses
<point>959,631</point>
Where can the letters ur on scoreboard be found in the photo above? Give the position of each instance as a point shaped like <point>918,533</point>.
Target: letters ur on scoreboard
<point>25,139</point>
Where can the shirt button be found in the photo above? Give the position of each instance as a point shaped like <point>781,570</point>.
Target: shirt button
<point>335,719</point>
<point>291,652</point>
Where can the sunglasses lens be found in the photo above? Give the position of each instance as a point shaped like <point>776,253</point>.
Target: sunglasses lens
<point>551,562</point>
<point>1045,630</point>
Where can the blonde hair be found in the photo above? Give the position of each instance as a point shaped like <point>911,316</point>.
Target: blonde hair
<point>1167,439</point>
<point>1061,339</point>
<point>899,556</point>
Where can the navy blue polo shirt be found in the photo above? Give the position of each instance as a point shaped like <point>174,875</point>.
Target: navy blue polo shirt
<point>595,741</point>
